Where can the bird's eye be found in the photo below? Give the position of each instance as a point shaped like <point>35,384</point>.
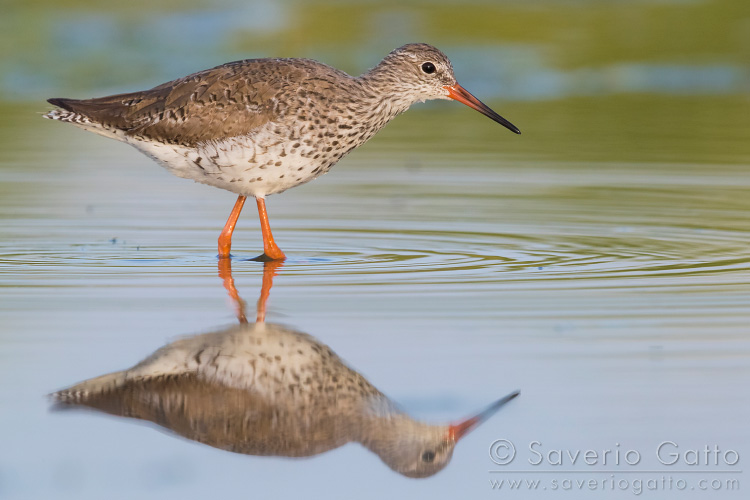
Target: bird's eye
<point>428,68</point>
<point>428,456</point>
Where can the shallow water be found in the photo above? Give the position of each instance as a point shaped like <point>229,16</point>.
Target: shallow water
<point>598,262</point>
<point>613,295</point>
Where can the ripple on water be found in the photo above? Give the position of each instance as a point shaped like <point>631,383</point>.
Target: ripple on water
<point>557,225</point>
<point>571,253</point>
<point>581,253</point>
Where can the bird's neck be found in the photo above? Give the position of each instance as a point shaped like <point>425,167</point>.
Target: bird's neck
<point>384,94</point>
<point>383,424</point>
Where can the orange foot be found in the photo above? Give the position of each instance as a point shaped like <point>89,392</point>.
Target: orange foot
<point>270,250</point>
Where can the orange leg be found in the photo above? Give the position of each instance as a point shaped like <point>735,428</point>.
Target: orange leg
<point>270,250</point>
<point>225,273</point>
<point>225,238</point>
<point>270,270</point>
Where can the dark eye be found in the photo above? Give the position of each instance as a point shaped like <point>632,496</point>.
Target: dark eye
<point>428,68</point>
<point>428,456</point>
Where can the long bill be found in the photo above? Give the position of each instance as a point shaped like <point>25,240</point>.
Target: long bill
<point>459,430</point>
<point>460,94</point>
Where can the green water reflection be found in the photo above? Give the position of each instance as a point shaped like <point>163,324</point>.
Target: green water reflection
<point>646,81</point>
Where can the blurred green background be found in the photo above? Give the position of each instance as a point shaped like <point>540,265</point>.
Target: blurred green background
<point>601,80</point>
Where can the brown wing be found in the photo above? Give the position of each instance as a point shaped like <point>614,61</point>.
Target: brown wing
<point>225,417</point>
<point>226,101</point>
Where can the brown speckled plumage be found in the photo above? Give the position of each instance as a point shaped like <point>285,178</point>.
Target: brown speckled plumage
<point>262,126</point>
<point>265,389</point>
<point>231,100</point>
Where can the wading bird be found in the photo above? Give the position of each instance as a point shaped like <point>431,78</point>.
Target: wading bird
<point>261,126</point>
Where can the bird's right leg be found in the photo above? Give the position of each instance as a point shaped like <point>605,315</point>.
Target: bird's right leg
<point>270,250</point>
<point>225,238</point>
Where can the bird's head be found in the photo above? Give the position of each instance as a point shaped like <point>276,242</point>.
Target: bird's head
<point>422,72</point>
<point>418,450</point>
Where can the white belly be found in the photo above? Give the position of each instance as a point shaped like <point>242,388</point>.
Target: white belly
<point>258,165</point>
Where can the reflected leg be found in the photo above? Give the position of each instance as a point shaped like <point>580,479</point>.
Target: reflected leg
<point>225,273</point>
<point>270,269</point>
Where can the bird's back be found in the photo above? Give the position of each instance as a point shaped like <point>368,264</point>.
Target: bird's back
<point>270,361</point>
<point>230,100</point>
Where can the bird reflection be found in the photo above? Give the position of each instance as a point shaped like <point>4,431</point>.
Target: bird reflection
<point>266,389</point>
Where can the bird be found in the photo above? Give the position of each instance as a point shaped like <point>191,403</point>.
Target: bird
<point>268,390</point>
<point>258,127</point>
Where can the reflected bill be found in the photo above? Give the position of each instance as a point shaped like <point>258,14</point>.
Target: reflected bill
<point>266,389</point>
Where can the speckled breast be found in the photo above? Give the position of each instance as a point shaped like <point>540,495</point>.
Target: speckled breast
<point>271,160</point>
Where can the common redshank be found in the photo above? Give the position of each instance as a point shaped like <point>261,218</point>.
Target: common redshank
<point>265,389</point>
<point>261,126</point>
